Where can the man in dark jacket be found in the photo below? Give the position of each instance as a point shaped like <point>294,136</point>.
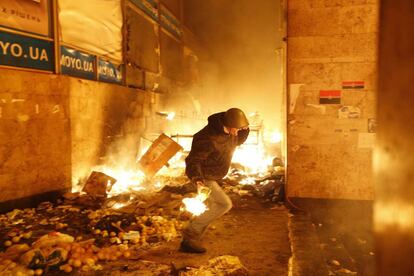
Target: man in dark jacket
<point>208,161</point>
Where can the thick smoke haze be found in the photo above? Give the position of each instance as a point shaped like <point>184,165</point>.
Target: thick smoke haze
<point>242,61</point>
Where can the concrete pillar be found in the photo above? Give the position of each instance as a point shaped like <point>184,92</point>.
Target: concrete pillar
<point>394,153</point>
<point>331,43</point>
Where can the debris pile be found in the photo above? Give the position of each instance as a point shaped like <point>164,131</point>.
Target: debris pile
<point>268,184</point>
<point>62,237</point>
<point>87,231</point>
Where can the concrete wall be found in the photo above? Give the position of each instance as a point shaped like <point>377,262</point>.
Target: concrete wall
<point>35,145</point>
<point>54,129</point>
<point>394,159</point>
<point>330,153</point>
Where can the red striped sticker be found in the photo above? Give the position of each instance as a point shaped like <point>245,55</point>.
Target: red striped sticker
<point>329,96</point>
<point>353,84</point>
<point>329,93</point>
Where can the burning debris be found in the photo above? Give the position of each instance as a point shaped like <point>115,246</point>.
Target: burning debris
<point>98,184</point>
<point>120,214</point>
<point>158,154</point>
<point>79,233</point>
<point>268,183</point>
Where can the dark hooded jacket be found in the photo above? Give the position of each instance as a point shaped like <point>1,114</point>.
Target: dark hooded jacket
<point>212,150</point>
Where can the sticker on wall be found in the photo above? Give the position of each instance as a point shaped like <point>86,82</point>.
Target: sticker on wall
<point>349,112</point>
<point>294,90</point>
<point>353,85</point>
<point>76,63</point>
<point>372,125</point>
<point>329,96</point>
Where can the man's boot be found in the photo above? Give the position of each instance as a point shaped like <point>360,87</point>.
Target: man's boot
<point>191,246</point>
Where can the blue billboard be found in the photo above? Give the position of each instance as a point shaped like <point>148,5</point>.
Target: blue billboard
<point>76,63</point>
<point>27,52</point>
<point>109,72</point>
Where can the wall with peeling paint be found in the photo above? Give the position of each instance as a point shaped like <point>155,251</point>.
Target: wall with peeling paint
<point>331,100</point>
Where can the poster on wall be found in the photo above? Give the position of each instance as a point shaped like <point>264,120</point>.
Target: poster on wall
<point>94,26</point>
<point>109,72</point>
<point>76,63</point>
<point>22,51</point>
<point>30,16</point>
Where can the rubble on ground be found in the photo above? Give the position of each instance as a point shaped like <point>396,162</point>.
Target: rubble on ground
<point>86,231</point>
<point>269,184</point>
<point>221,265</point>
<point>72,235</point>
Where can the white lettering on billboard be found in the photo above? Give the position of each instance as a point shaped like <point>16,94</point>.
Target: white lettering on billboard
<point>77,63</point>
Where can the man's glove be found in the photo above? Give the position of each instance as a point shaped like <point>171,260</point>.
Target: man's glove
<point>198,181</point>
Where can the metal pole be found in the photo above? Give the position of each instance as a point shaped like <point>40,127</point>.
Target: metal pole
<point>56,37</point>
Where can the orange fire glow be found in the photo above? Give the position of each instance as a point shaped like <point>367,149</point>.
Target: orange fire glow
<point>195,205</point>
<point>251,156</point>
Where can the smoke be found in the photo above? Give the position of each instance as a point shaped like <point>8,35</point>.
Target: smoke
<point>242,61</point>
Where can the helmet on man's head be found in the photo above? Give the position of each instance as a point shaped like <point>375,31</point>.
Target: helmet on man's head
<point>235,118</point>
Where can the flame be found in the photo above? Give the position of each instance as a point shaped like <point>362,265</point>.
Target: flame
<point>170,116</point>
<point>248,181</point>
<point>276,137</point>
<point>127,180</point>
<point>252,157</point>
<point>195,205</point>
